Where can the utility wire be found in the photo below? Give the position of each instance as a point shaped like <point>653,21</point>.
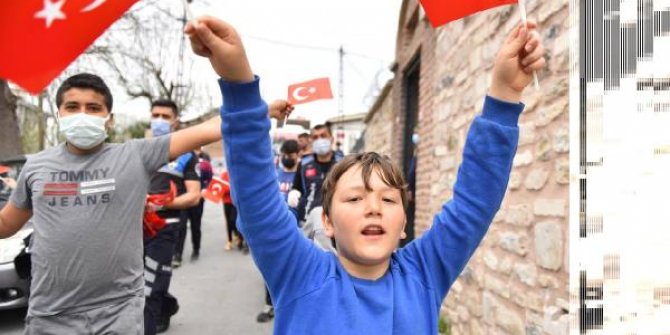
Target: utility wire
<point>312,47</point>
<point>290,44</point>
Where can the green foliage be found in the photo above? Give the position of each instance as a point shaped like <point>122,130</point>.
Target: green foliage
<point>443,326</point>
<point>120,135</point>
<point>137,130</point>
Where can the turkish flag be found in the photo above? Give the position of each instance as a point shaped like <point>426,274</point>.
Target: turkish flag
<point>440,12</point>
<point>40,38</point>
<point>309,91</point>
<point>215,190</point>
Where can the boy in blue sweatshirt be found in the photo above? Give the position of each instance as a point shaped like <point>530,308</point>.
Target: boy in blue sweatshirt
<point>370,286</point>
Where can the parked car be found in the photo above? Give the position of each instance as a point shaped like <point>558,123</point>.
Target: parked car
<point>14,288</point>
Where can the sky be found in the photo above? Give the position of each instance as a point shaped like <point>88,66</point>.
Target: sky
<point>292,41</point>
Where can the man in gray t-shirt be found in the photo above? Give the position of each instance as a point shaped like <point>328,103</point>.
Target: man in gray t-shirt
<point>86,200</point>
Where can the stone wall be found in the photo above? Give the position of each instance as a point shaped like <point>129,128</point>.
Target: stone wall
<point>379,124</point>
<point>517,281</point>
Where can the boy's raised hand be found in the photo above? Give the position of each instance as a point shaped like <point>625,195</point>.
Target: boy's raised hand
<point>218,41</point>
<point>520,55</point>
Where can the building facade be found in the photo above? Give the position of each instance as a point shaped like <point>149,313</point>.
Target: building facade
<point>517,281</point>
<point>347,131</point>
<point>379,123</point>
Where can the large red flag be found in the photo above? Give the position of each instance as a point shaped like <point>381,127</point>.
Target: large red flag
<point>308,91</point>
<point>40,38</point>
<point>440,12</point>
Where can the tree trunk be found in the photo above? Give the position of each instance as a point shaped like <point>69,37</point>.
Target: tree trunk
<point>10,137</point>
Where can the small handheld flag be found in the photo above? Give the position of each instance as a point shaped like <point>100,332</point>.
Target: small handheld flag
<point>309,91</point>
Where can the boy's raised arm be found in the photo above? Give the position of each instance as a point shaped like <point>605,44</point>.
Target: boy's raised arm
<point>442,253</point>
<point>264,218</point>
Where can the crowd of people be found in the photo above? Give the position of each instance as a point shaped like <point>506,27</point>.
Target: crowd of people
<point>323,228</point>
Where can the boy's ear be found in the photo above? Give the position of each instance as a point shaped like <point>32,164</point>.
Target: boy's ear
<point>403,235</point>
<point>327,225</point>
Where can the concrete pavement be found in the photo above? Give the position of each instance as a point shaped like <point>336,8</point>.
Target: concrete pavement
<point>220,294</point>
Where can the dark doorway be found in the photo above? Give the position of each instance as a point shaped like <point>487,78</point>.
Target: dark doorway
<point>410,88</point>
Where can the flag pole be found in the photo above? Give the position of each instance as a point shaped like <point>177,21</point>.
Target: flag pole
<point>189,14</point>
<point>524,20</point>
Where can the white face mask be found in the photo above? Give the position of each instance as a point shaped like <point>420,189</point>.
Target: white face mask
<point>321,146</point>
<point>82,130</point>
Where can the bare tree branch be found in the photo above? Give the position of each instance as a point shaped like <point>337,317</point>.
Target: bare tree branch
<point>142,51</point>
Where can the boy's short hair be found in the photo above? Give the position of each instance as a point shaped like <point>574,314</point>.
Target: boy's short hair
<point>369,162</point>
<point>304,135</point>
<point>85,81</point>
<point>166,103</point>
<point>290,147</point>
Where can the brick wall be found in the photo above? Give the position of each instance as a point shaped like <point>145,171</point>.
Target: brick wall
<point>379,124</point>
<point>517,281</point>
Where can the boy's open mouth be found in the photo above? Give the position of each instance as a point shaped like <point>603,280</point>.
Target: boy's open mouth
<point>373,230</point>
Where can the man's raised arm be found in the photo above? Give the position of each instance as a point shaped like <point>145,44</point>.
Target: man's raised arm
<point>192,138</point>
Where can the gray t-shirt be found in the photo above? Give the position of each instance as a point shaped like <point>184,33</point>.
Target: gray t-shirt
<point>87,215</point>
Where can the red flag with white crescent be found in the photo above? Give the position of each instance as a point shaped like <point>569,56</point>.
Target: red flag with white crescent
<point>309,91</point>
<point>40,38</point>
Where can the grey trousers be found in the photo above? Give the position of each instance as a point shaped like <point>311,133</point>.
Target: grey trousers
<point>123,318</point>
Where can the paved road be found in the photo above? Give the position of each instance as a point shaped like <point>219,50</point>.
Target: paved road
<point>221,293</point>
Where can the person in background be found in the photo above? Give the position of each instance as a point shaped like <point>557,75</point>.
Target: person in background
<point>235,238</point>
<point>304,144</point>
<point>194,214</point>
<point>307,185</point>
<point>178,182</point>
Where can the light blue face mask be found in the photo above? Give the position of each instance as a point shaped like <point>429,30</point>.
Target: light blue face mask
<point>82,130</point>
<point>321,146</point>
<point>160,127</point>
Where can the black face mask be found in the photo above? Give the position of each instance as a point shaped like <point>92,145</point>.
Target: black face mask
<point>288,163</point>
